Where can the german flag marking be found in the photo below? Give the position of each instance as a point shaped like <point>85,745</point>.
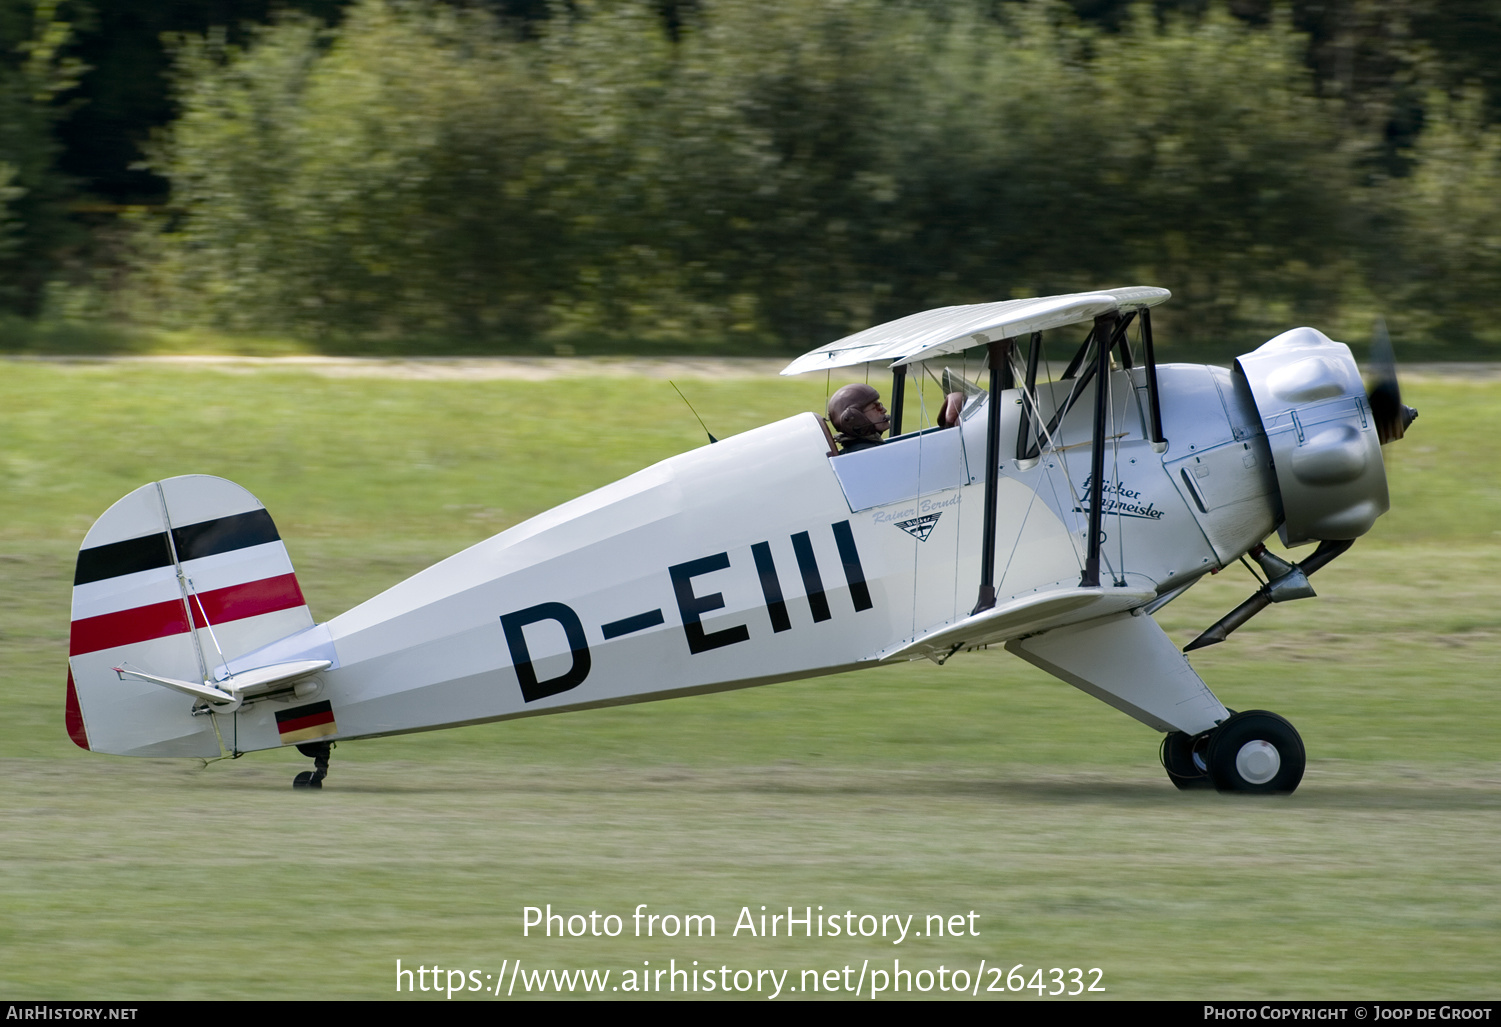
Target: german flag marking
<point>305,723</point>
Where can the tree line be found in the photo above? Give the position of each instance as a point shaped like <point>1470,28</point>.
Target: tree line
<point>769,173</point>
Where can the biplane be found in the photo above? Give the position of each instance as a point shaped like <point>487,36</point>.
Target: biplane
<point>1054,518</point>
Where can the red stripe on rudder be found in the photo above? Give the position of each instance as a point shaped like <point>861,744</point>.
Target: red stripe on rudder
<point>73,716</point>
<point>236,602</point>
<point>158,620</point>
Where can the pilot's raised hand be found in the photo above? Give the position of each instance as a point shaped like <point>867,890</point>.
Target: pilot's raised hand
<point>953,404</point>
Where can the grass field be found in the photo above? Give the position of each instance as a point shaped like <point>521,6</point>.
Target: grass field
<point>980,786</point>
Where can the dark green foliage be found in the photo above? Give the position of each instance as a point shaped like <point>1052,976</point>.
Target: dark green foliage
<point>388,179</point>
<point>777,173</point>
<point>33,72</point>
<point>1442,264</point>
<point>786,171</point>
<point>123,92</point>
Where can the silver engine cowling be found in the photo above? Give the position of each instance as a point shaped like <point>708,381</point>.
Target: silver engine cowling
<point>1325,448</point>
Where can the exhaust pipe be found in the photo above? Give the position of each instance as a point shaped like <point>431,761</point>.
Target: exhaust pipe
<point>1290,582</point>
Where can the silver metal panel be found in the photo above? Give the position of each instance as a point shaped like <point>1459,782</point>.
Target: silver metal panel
<point>1232,491</point>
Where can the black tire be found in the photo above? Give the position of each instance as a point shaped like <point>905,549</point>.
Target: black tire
<point>1183,770</point>
<point>1256,752</point>
<point>306,780</point>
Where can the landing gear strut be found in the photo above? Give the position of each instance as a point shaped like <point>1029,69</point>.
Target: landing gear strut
<point>1254,751</point>
<point>319,751</point>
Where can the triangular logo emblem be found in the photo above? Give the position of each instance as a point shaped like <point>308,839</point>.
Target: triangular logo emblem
<point>920,527</point>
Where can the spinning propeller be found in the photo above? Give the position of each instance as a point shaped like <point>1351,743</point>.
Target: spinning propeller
<point>1392,416</point>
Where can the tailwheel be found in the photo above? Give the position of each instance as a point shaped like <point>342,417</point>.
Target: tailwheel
<point>1257,752</point>
<point>1185,758</point>
<point>319,751</point>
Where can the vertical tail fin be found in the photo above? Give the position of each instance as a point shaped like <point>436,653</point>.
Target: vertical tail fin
<point>174,580</point>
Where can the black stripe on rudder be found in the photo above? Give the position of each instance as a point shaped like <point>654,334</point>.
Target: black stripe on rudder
<point>194,541</point>
<point>224,534</point>
<point>771,587</point>
<point>128,556</point>
<point>807,563</point>
<point>853,572</point>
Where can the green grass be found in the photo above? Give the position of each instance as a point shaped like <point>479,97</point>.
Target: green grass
<point>983,785</point>
<point>80,337</point>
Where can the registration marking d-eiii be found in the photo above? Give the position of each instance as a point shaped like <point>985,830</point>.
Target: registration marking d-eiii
<point>692,605</point>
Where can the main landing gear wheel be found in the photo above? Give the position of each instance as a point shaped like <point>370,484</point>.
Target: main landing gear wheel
<point>1257,752</point>
<point>1185,758</point>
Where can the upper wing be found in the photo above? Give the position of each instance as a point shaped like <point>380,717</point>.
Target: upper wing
<point>946,330</point>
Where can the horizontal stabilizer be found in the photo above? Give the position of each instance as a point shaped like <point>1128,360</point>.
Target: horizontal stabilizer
<point>208,693</point>
<point>1020,616</point>
<point>268,679</point>
<point>240,686</point>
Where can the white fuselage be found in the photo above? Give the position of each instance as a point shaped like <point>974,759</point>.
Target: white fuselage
<point>761,558</point>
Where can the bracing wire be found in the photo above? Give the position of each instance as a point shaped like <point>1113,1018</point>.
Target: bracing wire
<point>1018,373</point>
<point>1247,564</point>
<point>922,417</point>
<point>1030,400</point>
<point>193,591</point>
<point>1061,452</point>
<point>928,370</point>
<point>1016,544</point>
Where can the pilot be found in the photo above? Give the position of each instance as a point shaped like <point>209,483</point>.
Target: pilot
<point>856,413</point>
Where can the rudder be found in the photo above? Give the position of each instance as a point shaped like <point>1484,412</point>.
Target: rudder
<point>193,550</point>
